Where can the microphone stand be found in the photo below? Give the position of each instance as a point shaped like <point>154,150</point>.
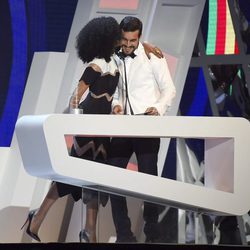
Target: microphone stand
<point>126,85</point>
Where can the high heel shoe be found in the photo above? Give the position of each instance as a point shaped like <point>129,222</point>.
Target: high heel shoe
<point>84,236</point>
<point>29,220</point>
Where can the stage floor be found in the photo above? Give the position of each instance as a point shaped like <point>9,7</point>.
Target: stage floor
<point>112,246</point>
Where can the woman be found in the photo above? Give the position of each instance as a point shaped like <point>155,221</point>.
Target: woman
<point>95,45</point>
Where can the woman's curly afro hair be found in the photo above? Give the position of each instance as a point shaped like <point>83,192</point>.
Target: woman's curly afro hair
<point>97,39</point>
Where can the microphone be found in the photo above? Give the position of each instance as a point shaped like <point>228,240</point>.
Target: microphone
<point>121,55</point>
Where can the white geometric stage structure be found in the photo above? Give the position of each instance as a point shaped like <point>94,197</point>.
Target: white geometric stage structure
<point>41,140</point>
<point>170,24</point>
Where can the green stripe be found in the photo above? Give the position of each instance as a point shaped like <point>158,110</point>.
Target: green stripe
<point>239,74</point>
<point>212,27</point>
<point>230,89</point>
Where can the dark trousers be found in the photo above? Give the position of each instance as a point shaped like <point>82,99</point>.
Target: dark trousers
<point>146,151</point>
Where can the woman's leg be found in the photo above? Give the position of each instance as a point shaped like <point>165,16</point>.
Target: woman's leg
<point>91,219</point>
<point>48,201</point>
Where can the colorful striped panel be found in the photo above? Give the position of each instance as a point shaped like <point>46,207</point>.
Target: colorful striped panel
<point>221,36</point>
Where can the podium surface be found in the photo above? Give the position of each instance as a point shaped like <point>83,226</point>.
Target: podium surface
<point>41,139</point>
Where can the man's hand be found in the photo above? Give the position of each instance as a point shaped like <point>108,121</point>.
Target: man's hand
<point>152,111</point>
<point>117,110</point>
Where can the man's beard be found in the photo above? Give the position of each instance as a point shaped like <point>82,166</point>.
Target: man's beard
<point>125,48</point>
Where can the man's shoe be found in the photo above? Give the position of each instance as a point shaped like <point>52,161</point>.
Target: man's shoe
<point>153,240</point>
<point>152,233</point>
<point>130,239</point>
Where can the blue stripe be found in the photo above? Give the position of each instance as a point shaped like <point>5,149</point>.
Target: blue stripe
<point>37,26</point>
<point>200,99</point>
<point>18,71</point>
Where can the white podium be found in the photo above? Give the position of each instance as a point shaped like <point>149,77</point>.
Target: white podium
<point>44,153</point>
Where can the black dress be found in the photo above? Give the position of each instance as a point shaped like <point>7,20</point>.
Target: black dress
<point>102,86</point>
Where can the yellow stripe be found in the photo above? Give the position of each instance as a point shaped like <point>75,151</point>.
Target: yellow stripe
<point>230,34</point>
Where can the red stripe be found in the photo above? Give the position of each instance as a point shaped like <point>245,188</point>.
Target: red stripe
<point>221,27</point>
<point>236,48</point>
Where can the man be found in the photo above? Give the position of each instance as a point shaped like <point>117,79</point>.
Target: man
<point>145,87</point>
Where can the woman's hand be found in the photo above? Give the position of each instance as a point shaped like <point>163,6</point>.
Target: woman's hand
<point>149,48</point>
<point>74,102</point>
<point>77,94</point>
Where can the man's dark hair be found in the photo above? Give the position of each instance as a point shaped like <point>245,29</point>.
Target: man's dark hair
<point>130,23</point>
